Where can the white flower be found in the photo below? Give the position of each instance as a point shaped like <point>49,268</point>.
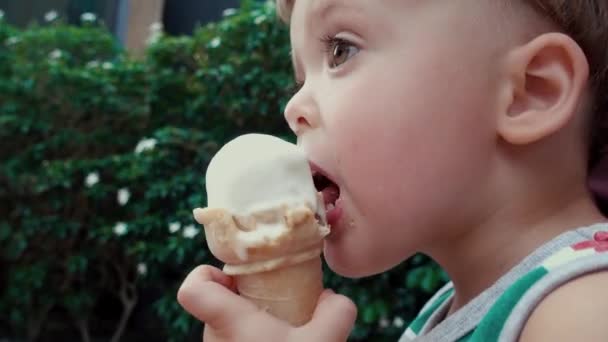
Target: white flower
<point>398,322</point>
<point>88,16</point>
<point>215,42</point>
<point>155,32</point>
<point>120,228</point>
<point>93,64</point>
<point>51,16</point>
<point>55,54</point>
<point>1,14</point>
<point>92,179</point>
<point>153,38</point>
<point>12,40</point>
<point>384,322</point>
<point>190,231</point>
<point>174,227</point>
<point>156,27</point>
<point>259,20</point>
<point>107,65</point>
<point>228,12</point>
<point>142,269</point>
<point>123,196</point>
<point>145,145</point>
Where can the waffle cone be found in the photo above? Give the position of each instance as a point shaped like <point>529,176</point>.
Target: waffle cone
<point>282,274</point>
<point>289,293</point>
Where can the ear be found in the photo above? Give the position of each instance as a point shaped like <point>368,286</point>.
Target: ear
<point>546,79</point>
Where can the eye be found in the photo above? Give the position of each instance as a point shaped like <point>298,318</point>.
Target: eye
<point>339,51</point>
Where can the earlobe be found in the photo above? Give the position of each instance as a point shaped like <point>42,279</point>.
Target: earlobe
<point>546,80</point>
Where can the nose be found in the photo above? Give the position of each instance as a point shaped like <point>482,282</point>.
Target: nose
<point>302,112</point>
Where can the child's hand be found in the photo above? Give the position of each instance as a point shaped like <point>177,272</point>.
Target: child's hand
<point>208,294</point>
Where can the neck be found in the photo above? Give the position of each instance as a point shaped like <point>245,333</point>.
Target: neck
<point>477,257</point>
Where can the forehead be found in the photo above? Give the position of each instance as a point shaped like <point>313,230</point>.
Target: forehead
<point>310,16</point>
<point>396,21</point>
<point>320,9</point>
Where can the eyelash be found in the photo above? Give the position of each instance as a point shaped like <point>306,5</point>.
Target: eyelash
<point>329,44</point>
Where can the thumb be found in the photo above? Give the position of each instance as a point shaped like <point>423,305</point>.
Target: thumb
<point>206,294</point>
<point>334,317</point>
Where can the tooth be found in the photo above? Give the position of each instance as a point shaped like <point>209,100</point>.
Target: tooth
<point>330,206</point>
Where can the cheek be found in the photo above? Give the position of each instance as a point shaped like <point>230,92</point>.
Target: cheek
<point>410,143</point>
<point>404,137</point>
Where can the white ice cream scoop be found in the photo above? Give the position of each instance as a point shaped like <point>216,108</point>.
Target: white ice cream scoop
<point>257,172</point>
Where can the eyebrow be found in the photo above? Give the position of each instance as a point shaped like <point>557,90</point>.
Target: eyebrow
<point>321,10</point>
<point>325,7</point>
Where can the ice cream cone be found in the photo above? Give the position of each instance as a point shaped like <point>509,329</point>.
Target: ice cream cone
<point>266,221</point>
<point>279,268</point>
<point>289,293</point>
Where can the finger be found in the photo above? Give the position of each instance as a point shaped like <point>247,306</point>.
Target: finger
<point>207,216</point>
<point>218,276</point>
<point>334,317</point>
<point>199,215</point>
<point>204,294</point>
<point>201,274</point>
<point>326,293</point>
<point>208,272</point>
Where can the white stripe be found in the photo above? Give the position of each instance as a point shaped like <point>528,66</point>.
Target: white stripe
<point>565,256</point>
<point>408,335</point>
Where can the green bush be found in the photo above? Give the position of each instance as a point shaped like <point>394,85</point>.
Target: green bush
<point>102,161</point>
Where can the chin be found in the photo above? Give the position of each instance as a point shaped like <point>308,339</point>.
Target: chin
<point>358,265</point>
<point>347,271</point>
<point>347,267</point>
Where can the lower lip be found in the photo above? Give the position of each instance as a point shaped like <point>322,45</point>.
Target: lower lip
<point>334,215</point>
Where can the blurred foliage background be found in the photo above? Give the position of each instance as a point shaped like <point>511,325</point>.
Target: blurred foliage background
<point>102,159</point>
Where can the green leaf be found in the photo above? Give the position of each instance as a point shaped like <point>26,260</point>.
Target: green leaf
<point>369,314</point>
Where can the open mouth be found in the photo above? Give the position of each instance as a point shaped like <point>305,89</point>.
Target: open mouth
<point>329,190</point>
<point>326,186</point>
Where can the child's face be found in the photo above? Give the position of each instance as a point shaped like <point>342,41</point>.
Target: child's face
<point>398,109</point>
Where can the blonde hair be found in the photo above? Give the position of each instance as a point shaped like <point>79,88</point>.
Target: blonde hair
<point>586,21</point>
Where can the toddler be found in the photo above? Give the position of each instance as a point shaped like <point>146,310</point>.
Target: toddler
<point>468,130</point>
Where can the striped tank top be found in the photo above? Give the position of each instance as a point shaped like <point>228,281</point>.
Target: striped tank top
<point>501,311</point>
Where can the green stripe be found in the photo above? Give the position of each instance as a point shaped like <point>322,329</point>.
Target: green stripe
<point>421,320</point>
<point>491,325</point>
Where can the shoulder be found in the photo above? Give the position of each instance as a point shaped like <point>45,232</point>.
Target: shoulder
<point>576,311</point>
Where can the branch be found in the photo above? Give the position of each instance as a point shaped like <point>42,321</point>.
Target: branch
<point>128,298</point>
<point>35,323</point>
<point>83,327</point>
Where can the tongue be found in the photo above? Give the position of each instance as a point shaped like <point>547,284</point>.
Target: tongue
<point>330,194</point>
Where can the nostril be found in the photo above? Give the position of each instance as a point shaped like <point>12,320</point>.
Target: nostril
<point>303,122</point>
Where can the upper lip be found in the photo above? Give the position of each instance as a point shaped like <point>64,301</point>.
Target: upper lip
<point>315,169</point>
<point>321,178</point>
